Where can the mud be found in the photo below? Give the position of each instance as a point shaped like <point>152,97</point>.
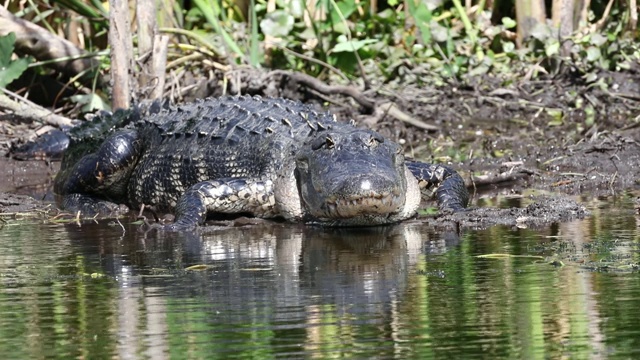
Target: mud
<point>559,137</point>
<point>542,211</point>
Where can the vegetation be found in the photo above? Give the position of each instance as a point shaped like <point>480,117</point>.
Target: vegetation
<point>366,42</point>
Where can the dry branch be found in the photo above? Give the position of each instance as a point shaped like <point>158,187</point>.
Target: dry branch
<point>513,174</point>
<point>28,110</point>
<point>33,40</point>
<point>388,108</point>
<point>313,83</point>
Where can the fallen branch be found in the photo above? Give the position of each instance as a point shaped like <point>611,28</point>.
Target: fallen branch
<point>311,82</point>
<point>507,176</point>
<point>33,40</point>
<point>25,109</point>
<point>391,109</point>
<point>388,108</point>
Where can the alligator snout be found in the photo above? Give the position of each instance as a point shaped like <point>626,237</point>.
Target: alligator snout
<point>365,194</point>
<point>352,177</point>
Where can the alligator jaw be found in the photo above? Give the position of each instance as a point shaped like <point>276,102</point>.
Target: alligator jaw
<point>374,203</point>
<point>375,209</point>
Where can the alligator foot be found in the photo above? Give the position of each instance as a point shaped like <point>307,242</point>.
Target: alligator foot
<point>222,196</point>
<point>91,206</point>
<point>449,186</point>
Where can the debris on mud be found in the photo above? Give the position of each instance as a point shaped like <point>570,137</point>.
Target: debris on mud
<point>544,210</point>
<point>20,206</point>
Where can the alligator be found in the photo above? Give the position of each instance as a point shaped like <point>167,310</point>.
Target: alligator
<point>266,157</point>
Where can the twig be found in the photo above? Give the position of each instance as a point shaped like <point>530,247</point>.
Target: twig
<point>317,61</point>
<point>122,226</point>
<point>28,110</point>
<point>483,180</point>
<point>613,180</point>
<point>369,105</point>
<point>600,23</point>
<point>393,110</point>
<point>309,81</point>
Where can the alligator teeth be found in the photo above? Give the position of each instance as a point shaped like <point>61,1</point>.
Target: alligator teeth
<point>353,206</point>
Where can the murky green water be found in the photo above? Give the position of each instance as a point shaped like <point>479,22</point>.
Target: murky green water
<point>106,291</point>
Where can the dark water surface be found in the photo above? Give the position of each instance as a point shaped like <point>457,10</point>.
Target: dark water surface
<point>277,290</point>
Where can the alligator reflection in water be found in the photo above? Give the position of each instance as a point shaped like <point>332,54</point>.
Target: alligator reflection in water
<point>357,269</point>
<point>293,291</point>
<point>277,277</point>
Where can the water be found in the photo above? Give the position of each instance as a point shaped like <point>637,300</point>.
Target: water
<point>278,290</point>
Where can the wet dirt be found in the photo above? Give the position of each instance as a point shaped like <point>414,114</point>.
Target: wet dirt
<point>557,136</point>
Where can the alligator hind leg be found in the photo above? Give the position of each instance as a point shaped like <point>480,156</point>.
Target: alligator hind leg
<point>97,182</point>
<point>228,195</point>
<point>449,186</point>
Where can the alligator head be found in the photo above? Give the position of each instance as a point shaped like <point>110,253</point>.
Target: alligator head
<point>350,178</point>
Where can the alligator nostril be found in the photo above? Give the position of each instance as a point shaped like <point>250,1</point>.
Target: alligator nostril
<point>365,185</point>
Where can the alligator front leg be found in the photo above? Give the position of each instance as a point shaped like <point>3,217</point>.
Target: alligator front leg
<point>89,205</point>
<point>96,184</point>
<point>228,196</point>
<point>449,186</point>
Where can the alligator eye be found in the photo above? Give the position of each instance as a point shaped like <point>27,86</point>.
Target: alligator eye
<point>330,143</point>
<point>320,142</point>
<point>317,143</point>
<point>374,140</point>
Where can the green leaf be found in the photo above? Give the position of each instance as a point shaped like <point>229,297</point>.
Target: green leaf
<point>422,16</point>
<point>211,12</point>
<point>254,40</point>
<point>479,70</point>
<point>584,39</point>
<point>13,71</point>
<point>277,23</point>
<point>90,102</point>
<point>10,69</point>
<point>6,48</point>
<point>540,32</point>
<point>352,46</point>
<point>593,54</point>
<point>590,115</point>
<point>342,10</point>
<point>590,77</point>
<point>508,47</point>
<point>556,117</point>
<point>508,22</point>
<point>552,48</point>
<point>296,8</point>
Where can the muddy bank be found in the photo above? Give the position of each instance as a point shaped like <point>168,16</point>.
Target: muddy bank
<point>558,136</point>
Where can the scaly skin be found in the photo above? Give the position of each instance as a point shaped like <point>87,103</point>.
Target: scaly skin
<point>265,157</point>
